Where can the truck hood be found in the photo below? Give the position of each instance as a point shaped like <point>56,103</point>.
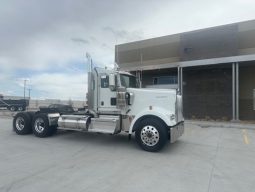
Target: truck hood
<point>143,99</point>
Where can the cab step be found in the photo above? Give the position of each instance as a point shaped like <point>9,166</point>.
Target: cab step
<point>105,124</point>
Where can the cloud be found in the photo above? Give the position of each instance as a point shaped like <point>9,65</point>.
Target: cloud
<point>80,40</point>
<point>42,39</point>
<point>124,34</point>
<point>37,34</point>
<point>60,85</point>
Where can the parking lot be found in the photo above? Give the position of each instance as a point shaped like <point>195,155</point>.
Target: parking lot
<point>204,160</point>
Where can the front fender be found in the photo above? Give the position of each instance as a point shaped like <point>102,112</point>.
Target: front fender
<point>161,113</point>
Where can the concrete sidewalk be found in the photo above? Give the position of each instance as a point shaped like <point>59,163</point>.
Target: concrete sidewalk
<point>237,125</point>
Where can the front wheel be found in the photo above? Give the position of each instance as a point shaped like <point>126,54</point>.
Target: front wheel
<point>151,135</point>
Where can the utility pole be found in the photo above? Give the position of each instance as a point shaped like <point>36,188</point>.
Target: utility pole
<point>29,90</point>
<point>25,82</point>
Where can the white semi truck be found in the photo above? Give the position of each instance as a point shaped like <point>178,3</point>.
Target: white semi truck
<point>115,104</point>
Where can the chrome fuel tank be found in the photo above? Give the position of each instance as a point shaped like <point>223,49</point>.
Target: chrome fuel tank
<point>79,122</point>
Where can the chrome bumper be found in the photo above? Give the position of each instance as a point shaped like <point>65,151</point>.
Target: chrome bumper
<point>176,131</point>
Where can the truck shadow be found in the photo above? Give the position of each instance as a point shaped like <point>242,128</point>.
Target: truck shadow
<point>118,141</point>
<point>97,139</point>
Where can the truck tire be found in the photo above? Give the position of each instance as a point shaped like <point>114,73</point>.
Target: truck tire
<point>12,108</point>
<point>151,134</point>
<point>20,108</point>
<point>40,125</point>
<point>22,123</point>
<point>31,114</point>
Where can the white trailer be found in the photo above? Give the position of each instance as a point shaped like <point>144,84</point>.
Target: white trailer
<point>115,104</point>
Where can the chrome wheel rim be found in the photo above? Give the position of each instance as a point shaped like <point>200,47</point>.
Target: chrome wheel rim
<point>20,123</point>
<point>39,125</point>
<point>20,109</point>
<point>12,108</point>
<point>149,135</point>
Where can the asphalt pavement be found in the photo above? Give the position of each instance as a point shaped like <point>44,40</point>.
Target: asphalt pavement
<point>205,159</point>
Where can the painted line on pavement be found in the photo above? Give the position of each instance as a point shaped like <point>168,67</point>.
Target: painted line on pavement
<point>245,137</point>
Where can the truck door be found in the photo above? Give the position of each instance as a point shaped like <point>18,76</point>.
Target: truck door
<point>106,97</point>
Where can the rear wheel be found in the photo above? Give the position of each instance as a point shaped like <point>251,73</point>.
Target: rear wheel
<point>22,123</point>
<point>151,135</point>
<point>41,126</point>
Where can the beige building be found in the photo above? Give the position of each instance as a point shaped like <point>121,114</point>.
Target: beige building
<point>36,103</point>
<point>214,69</point>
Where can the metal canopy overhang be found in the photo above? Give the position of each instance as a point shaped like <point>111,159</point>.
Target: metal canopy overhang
<point>213,61</point>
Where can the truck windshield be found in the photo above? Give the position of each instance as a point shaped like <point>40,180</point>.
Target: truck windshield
<point>128,81</point>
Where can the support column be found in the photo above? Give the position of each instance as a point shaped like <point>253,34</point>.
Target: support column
<point>181,81</point>
<point>178,79</point>
<point>139,76</point>
<point>233,93</point>
<point>237,91</point>
<point>180,76</point>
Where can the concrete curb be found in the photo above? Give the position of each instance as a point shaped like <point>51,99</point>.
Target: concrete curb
<point>237,125</point>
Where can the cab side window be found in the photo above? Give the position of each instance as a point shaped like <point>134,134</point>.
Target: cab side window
<point>104,81</point>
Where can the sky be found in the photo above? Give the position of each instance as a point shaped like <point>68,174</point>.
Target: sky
<point>45,42</point>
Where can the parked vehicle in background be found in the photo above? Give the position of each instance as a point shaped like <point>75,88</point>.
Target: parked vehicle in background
<point>13,104</point>
<point>57,108</point>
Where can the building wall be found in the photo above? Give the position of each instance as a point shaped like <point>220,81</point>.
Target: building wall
<point>207,92</point>
<point>147,76</point>
<point>216,42</point>
<point>247,85</point>
<point>209,43</point>
<point>246,40</point>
